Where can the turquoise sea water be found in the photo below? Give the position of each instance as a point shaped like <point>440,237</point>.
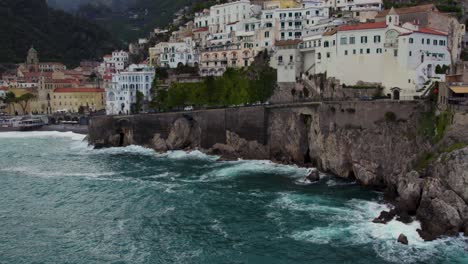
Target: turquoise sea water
<point>63,202</point>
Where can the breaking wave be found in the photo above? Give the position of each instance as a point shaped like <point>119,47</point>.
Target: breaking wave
<point>350,224</point>
<point>43,134</point>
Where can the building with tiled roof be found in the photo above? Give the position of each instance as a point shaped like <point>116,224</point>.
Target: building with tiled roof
<point>71,99</point>
<point>428,16</point>
<point>400,57</point>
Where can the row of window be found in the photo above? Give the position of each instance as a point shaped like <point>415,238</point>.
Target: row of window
<point>344,40</point>
<point>427,41</point>
<point>134,78</point>
<point>355,51</point>
<point>296,14</point>
<point>75,97</point>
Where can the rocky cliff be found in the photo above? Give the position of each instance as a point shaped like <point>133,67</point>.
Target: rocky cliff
<point>383,145</point>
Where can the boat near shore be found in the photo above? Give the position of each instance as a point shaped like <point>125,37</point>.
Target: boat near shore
<point>21,124</point>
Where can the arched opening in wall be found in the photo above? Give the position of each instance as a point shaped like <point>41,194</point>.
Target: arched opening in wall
<point>396,94</point>
<point>351,175</point>
<point>307,158</point>
<point>121,139</point>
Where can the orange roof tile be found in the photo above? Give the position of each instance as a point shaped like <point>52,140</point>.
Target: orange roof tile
<point>374,25</point>
<point>289,42</point>
<point>200,29</point>
<point>426,30</point>
<point>409,10</point>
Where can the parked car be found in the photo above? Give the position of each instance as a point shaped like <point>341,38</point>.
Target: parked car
<point>188,108</point>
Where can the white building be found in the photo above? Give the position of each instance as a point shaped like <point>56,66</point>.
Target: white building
<point>292,23</point>
<point>121,93</point>
<point>221,15</point>
<point>401,58</point>
<point>115,62</point>
<point>287,61</point>
<point>202,19</point>
<point>173,54</point>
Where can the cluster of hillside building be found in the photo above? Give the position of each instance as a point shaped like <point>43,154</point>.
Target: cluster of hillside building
<point>110,85</point>
<point>354,43</point>
<point>54,87</point>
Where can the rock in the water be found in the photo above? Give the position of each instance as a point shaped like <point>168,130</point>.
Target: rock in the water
<point>441,211</point>
<point>313,175</point>
<point>385,217</point>
<point>404,217</point>
<point>403,239</point>
<point>159,144</point>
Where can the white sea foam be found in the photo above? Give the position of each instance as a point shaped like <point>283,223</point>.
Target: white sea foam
<point>132,149</point>
<point>40,172</point>
<point>184,155</point>
<point>256,166</point>
<point>334,182</point>
<point>352,225</point>
<point>42,134</point>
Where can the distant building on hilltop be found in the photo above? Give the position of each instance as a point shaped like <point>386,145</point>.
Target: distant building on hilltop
<point>33,65</point>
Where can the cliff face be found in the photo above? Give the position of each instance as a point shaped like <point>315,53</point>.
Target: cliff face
<point>377,144</point>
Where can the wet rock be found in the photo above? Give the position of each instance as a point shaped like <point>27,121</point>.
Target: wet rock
<point>390,193</point>
<point>184,134</point>
<point>313,175</point>
<point>402,239</point>
<point>223,150</point>
<point>159,144</point>
<point>385,217</point>
<point>404,217</point>
<point>426,235</point>
<point>236,147</point>
<point>409,190</point>
<point>441,211</point>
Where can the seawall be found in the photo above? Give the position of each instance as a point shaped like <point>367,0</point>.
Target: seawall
<point>368,141</point>
<point>377,143</point>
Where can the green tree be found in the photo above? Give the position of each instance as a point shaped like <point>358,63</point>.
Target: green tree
<point>24,100</point>
<point>10,99</point>
<point>139,101</point>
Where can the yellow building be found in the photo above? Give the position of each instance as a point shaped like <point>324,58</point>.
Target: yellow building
<point>70,99</point>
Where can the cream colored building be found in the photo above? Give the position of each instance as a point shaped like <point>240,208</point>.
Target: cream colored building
<point>401,58</point>
<point>70,99</point>
<point>215,59</point>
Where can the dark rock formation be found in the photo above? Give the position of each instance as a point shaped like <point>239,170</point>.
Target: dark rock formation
<point>385,217</point>
<point>236,147</point>
<point>403,239</point>
<point>409,191</point>
<point>313,175</point>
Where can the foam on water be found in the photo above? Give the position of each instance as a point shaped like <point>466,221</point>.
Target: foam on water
<point>352,225</point>
<point>132,149</point>
<point>240,167</point>
<point>187,155</point>
<point>42,134</point>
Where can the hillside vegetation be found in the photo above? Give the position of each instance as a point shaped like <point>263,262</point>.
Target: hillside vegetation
<point>127,20</point>
<point>58,36</point>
